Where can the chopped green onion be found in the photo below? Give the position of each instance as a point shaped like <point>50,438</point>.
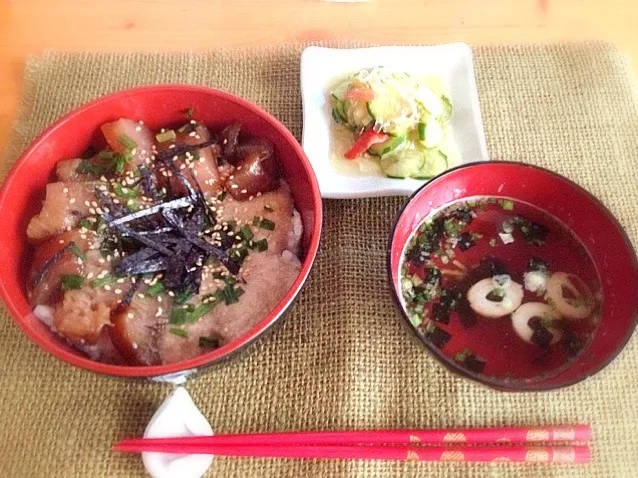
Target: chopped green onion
<point>269,208</point>
<point>267,224</point>
<point>106,154</point>
<point>124,192</point>
<point>127,142</point>
<point>200,311</point>
<point>240,253</point>
<point>189,113</point>
<point>230,295</point>
<point>208,342</point>
<point>508,205</point>
<point>86,224</point>
<point>256,221</point>
<point>246,232</point>
<point>98,283</point>
<point>183,297</point>
<point>71,281</point>
<point>166,136</point>
<point>222,196</point>
<point>178,332</point>
<point>416,320</point>
<point>336,116</point>
<point>155,290</point>
<point>120,161</point>
<point>100,224</point>
<point>218,275</point>
<point>421,129</point>
<point>179,316</point>
<point>76,251</point>
<point>261,245</point>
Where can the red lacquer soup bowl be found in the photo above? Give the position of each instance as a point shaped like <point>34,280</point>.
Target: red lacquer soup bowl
<point>157,106</point>
<point>601,250</point>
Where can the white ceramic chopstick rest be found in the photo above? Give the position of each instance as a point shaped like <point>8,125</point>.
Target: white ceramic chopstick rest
<point>177,416</point>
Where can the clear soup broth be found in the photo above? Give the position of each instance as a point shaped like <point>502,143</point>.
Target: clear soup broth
<point>501,287</point>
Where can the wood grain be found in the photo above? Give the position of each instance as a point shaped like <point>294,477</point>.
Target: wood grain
<point>32,26</point>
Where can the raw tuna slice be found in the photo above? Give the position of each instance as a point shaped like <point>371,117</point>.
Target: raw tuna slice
<point>64,205</point>
<point>128,135</point>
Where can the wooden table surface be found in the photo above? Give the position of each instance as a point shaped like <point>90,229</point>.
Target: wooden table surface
<point>31,26</point>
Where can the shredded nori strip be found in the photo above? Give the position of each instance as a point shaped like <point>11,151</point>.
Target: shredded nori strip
<point>149,184</point>
<point>155,264</point>
<point>179,203</point>
<point>179,175</point>
<point>133,234</point>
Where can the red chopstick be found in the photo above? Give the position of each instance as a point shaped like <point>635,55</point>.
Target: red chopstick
<point>547,454</point>
<point>385,437</point>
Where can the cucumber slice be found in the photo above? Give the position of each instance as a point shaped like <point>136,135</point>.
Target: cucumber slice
<point>432,134</point>
<point>430,101</point>
<point>445,117</point>
<point>338,113</point>
<point>391,144</point>
<point>402,163</point>
<point>387,105</point>
<point>421,130</point>
<point>435,162</point>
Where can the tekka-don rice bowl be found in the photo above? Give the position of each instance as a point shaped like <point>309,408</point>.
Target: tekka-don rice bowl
<point>165,244</point>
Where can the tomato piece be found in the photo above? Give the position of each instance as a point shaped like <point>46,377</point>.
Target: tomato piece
<point>364,141</point>
<point>361,94</point>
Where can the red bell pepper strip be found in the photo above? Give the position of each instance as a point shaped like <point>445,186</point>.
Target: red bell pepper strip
<point>364,141</point>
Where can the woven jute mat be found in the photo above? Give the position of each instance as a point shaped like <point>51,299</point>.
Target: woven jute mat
<point>341,359</point>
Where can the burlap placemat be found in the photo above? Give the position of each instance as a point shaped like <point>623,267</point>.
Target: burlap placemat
<point>341,358</point>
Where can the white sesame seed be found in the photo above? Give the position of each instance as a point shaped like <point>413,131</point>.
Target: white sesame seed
<point>107,287</point>
<point>89,275</point>
<point>65,190</point>
<point>118,291</point>
<point>92,210</point>
<point>138,128</point>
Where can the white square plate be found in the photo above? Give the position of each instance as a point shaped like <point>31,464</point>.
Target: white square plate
<point>321,67</point>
